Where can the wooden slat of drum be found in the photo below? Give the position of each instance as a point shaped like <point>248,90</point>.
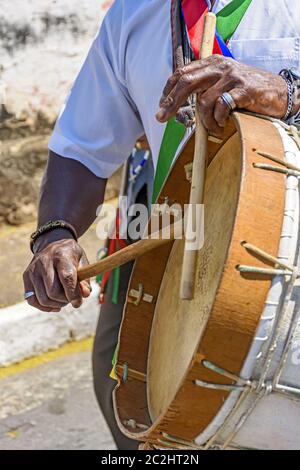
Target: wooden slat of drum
<point>123,398</point>
<point>214,147</point>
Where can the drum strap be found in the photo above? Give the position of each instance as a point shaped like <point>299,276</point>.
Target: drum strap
<point>187,22</point>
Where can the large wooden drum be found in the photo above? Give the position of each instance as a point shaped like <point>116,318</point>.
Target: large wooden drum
<point>224,368</point>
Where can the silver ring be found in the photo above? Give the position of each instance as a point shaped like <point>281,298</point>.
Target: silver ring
<point>228,100</point>
<point>27,295</point>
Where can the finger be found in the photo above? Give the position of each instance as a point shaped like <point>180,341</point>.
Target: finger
<point>85,289</point>
<point>221,112</point>
<point>33,301</point>
<point>197,81</point>
<point>53,286</point>
<point>242,99</point>
<point>193,78</point>
<point>207,102</point>
<point>67,273</point>
<point>186,85</point>
<point>41,294</point>
<point>188,69</point>
<point>85,286</point>
<point>173,79</point>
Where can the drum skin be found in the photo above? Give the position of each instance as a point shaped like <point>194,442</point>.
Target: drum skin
<point>178,324</point>
<point>159,397</point>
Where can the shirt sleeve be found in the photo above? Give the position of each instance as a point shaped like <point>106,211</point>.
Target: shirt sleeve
<point>98,124</point>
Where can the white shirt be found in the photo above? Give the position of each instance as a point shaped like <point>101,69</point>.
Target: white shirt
<point>115,97</point>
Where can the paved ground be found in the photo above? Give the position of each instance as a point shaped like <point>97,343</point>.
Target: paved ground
<point>52,406</point>
<point>15,256</point>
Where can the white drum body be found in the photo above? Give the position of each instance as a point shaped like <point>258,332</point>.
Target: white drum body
<point>265,413</point>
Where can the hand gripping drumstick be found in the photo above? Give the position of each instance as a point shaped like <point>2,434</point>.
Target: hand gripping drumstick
<point>123,256</point>
<point>199,166</point>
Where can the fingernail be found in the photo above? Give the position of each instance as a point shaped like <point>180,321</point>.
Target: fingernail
<point>161,114</point>
<point>86,284</point>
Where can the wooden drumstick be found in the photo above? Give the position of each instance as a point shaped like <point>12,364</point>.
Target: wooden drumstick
<point>123,256</point>
<point>199,166</point>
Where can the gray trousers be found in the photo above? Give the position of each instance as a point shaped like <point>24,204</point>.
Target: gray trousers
<point>104,347</point>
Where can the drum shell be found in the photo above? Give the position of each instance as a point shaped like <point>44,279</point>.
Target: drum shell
<point>233,319</point>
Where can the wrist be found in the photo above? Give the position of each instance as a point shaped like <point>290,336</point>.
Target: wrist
<point>292,82</point>
<point>50,237</point>
<point>50,226</point>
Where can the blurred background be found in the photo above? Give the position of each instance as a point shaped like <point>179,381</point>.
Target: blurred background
<point>46,397</point>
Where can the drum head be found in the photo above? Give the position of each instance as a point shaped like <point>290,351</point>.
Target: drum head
<point>179,324</point>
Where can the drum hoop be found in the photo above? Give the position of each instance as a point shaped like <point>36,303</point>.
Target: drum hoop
<point>153,430</point>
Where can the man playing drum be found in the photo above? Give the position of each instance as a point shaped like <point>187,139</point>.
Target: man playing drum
<point>131,84</point>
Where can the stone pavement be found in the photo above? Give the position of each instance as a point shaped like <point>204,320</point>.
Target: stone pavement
<point>52,407</point>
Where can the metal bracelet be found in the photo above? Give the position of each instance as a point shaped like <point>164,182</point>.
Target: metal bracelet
<point>293,85</point>
<point>290,90</point>
<point>50,226</point>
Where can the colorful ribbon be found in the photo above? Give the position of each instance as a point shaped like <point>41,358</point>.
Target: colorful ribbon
<point>114,244</point>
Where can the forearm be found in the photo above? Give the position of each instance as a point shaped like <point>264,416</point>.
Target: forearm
<point>69,192</point>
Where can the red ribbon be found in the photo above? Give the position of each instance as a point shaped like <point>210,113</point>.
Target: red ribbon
<point>194,12</point>
<point>115,244</point>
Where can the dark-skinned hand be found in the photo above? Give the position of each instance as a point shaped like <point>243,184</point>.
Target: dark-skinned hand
<point>71,192</point>
<point>252,89</point>
<point>52,275</point>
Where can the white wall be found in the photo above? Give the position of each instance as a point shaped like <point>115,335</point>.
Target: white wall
<point>42,46</point>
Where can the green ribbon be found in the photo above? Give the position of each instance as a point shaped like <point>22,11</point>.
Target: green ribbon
<point>229,18</point>
<point>116,284</point>
<point>173,135</point>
